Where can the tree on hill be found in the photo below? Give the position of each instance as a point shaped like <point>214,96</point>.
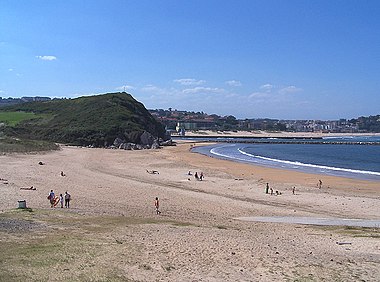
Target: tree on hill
<point>369,124</point>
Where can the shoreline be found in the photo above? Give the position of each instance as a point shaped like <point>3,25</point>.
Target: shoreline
<point>206,147</point>
<point>277,175</point>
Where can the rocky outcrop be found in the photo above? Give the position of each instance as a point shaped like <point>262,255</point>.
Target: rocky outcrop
<point>155,145</point>
<point>146,139</point>
<point>118,142</point>
<point>147,142</point>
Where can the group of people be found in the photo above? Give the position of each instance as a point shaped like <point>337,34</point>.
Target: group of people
<point>196,176</point>
<point>199,177</point>
<point>267,189</point>
<point>270,190</point>
<point>54,200</point>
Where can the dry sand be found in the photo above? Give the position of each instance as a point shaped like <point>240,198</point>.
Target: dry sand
<point>197,237</point>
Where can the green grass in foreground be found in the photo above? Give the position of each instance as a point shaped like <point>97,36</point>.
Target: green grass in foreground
<point>14,118</point>
<point>68,249</point>
<point>72,247</point>
<point>16,145</point>
<point>353,231</point>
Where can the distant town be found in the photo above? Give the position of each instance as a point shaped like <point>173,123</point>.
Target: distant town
<point>182,121</point>
<point>13,101</point>
<point>177,121</point>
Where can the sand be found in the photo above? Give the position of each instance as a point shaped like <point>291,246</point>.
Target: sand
<point>198,236</point>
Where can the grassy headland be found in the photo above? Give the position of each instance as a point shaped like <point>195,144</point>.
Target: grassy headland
<point>94,120</point>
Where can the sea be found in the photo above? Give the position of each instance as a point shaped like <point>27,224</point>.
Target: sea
<point>356,157</point>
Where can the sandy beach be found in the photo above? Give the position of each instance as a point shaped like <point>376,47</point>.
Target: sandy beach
<point>112,233</point>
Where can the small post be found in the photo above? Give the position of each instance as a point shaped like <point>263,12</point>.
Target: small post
<point>22,204</point>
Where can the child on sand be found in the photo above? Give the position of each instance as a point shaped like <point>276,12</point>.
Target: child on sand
<point>157,206</point>
<point>61,200</point>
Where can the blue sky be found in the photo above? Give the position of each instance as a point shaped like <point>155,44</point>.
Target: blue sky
<point>251,59</point>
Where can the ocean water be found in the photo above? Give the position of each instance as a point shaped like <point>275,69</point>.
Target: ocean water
<point>330,158</point>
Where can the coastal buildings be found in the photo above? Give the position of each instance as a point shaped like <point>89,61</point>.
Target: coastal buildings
<point>338,126</point>
<point>180,121</point>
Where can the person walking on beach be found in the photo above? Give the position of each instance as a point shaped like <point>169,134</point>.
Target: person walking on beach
<point>294,190</point>
<point>267,189</point>
<point>51,198</point>
<point>320,184</point>
<point>201,176</point>
<point>196,176</point>
<point>157,205</point>
<point>67,200</point>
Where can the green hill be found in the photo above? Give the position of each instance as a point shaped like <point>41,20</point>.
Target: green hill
<point>94,120</point>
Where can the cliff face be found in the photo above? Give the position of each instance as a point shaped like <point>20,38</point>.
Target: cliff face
<point>94,120</point>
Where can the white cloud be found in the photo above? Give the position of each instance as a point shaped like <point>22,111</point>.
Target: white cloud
<point>196,98</point>
<point>231,95</point>
<point>271,96</point>
<point>13,72</point>
<point>125,88</point>
<point>267,87</point>
<point>47,58</point>
<point>289,90</point>
<point>159,92</point>
<point>255,95</point>
<point>234,83</point>
<point>151,88</point>
<point>202,90</point>
<point>189,81</point>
